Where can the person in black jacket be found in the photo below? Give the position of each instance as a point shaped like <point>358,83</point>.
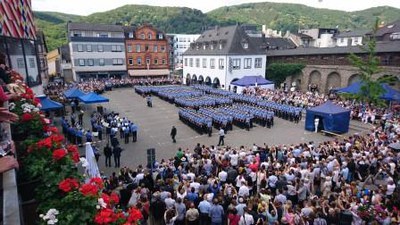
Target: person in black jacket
<point>173,134</point>
<point>108,154</point>
<point>117,155</point>
<point>157,209</point>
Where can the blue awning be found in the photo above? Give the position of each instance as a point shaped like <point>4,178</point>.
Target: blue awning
<point>355,88</point>
<point>73,93</point>
<point>48,104</point>
<point>92,98</point>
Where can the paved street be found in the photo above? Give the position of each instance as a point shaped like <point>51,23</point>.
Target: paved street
<point>155,126</point>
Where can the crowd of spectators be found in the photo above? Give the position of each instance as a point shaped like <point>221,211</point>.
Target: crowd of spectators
<point>347,181</point>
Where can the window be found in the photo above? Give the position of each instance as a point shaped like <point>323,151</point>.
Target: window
<point>130,61</point>
<point>204,63</point>
<point>139,60</point>
<point>341,40</point>
<point>146,48</point>
<point>236,64</point>
<point>80,48</point>
<point>81,62</point>
<point>88,48</point>
<point>155,48</point>
<point>204,47</point>
<point>160,36</point>
<point>77,34</point>
<point>356,40</point>
<point>101,62</point>
<point>221,64</point>
<point>129,48</point>
<point>197,62</point>
<point>32,63</point>
<point>186,63</point>
<point>103,35</point>
<point>113,48</point>
<point>162,48</point>
<point>212,63</point>
<point>220,46</point>
<point>245,45</point>
<point>212,46</point>
<point>247,63</point>
<point>147,61</point>
<point>164,61</point>
<point>100,48</point>
<point>130,35</point>
<point>137,48</point>
<point>20,63</point>
<point>90,62</point>
<point>142,36</point>
<point>191,62</point>
<point>118,62</point>
<point>156,61</point>
<point>119,48</point>
<point>150,36</point>
<point>258,63</point>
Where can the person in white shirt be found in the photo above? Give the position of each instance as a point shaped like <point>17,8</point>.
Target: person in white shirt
<point>244,191</point>
<point>390,187</point>
<point>246,219</point>
<point>234,158</point>
<point>223,175</point>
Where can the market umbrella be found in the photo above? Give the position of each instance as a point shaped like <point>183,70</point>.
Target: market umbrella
<point>92,170</point>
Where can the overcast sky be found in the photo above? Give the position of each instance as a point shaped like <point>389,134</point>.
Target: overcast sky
<point>86,7</point>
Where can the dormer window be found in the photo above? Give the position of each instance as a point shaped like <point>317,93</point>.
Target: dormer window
<point>150,36</point>
<point>160,36</point>
<point>142,36</point>
<point>220,46</point>
<point>245,45</point>
<point>212,46</point>
<point>204,47</point>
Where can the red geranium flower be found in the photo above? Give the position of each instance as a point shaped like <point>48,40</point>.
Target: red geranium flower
<point>68,185</point>
<point>97,181</point>
<point>72,148</point>
<point>59,154</point>
<point>134,215</point>
<point>105,216</point>
<point>51,129</point>
<point>114,198</point>
<point>46,143</point>
<point>75,157</point>
<point>26,117</point>
<point>89,190</point>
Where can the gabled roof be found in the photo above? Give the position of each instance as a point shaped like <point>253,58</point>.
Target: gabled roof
<point>95,27</point>
<point>231,37</point>
<point>388,29</point>
<point>388,46</point>
<point>355,33</point>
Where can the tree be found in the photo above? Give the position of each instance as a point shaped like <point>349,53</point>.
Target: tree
<point>371,89</point>
<point>278,72</point>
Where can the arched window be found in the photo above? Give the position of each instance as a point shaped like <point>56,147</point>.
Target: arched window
<point>150,36</point>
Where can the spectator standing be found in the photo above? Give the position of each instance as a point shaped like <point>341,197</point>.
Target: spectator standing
<point>157,209</point>
<point>192,215</point>
<point>216,213</point>
<point>181,212</point>
<point>173,134</point>
<point>117,155</point>
<point>221,134</point>
<point>108,154</point>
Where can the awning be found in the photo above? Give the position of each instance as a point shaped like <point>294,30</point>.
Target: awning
<point>143,73</point>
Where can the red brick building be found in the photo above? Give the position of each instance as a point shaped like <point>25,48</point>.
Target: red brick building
<point>146,52</point>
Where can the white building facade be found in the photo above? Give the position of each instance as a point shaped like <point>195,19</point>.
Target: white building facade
<point>181,43</point>
<point>350,38</point>
<point>222,55</point>
<point>97,51</point>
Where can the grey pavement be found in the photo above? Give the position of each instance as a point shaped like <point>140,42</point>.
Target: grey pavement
<point>155,125</point>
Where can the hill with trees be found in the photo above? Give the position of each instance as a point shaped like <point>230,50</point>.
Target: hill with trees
<point>280,16</point>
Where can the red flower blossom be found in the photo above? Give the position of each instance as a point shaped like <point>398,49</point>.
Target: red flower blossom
<point>134,215</point>
<point>59,154</point>
<point>72,148</point>
<point>89,190</point>
<point>57,139</point>
<point>51,129</point>
<point>45,143</point>
<point>97,181</point>
<point>114,198</point>
<point>26,117</point>
<point>68,185</point>
<point>105,216</point>
<point>75,156</point>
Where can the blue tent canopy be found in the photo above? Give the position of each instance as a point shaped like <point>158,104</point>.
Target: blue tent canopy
<point>48,104</point>
<point>73,93</point>
<point>332,118</point>
<point>92,98</point>
<point>355,88</point>
<point>251,81</point>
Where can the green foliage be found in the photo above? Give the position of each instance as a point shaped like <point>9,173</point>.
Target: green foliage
<point>281,16</point>
<point>278,72</point>
<point>371,89</point>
